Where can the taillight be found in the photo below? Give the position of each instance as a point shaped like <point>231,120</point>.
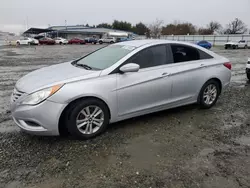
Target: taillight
<point>228,65</point>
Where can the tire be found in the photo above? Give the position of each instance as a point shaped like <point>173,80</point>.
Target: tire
<point>60,43</point>
<point>74,113</point>
<point>246,47</point>
<point>100,42</point>
<point>212,97</point>
<point>248,76</point>
<point>111,42</point>
<point>18,43</point>
<point>226,47</point>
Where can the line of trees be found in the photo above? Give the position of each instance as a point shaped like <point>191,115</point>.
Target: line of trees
<point>158,28</point>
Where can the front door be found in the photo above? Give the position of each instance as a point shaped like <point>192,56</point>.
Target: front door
<point>149,88</point>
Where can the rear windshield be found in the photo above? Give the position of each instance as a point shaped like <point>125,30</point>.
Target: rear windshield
<point>105,57</point>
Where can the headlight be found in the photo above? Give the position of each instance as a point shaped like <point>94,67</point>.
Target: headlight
<point>41,95</point>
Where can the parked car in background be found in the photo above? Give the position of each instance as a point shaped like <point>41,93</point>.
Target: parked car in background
<point>83,96</point>
<point>76,41</point>
<point>91,40</point>
<point>27,41</point>
<point>60,40</point>
<point>236,45</point>
<point>204,44</point>
<point>47,41</point>
<point>248,69</point>
<point>109,40</point>
<point>123,39</point>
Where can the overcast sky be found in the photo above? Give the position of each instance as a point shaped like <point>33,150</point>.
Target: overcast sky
<point>13,13</point>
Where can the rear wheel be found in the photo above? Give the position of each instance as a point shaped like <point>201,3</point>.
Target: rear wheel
<point>60,43</point>
<point>87,118</point>
<point>246,47</point>
<point>111,42</point>
<point>209,94</point>
<point>100,42</point>
<point>18,43</point>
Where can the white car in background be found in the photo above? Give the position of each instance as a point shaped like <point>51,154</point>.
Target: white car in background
<point>27,41</point>
<point>109,40</point>
<point>236,45</point>
<point>248,69</point>
<point>60,40</point>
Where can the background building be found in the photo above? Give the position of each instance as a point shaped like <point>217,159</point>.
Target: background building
<point>79,31</point>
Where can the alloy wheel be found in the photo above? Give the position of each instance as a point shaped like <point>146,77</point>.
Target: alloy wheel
<point>90,119</point>
<point>210,94</point>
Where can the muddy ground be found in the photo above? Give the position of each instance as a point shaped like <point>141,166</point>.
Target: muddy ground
<point>183,147</point>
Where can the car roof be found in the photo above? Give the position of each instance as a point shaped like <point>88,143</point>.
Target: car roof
<point>150,42</point>
<point>139,43</point>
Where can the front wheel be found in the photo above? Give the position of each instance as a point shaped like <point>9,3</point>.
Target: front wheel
<point>87,118</point>
<point>209,94</point>
<point>100,42</point>
<point>246,47</point>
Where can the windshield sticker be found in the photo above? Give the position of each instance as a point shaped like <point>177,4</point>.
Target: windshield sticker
<point>128,47</point>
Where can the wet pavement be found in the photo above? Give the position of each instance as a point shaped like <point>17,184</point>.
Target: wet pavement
<point>182,147</point>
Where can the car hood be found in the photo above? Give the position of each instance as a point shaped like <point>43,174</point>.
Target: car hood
<point>52,75</point>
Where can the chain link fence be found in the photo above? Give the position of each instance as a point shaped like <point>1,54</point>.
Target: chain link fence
<point>215,40</point>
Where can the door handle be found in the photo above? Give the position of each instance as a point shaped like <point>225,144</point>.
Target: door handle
<point>165,74</point>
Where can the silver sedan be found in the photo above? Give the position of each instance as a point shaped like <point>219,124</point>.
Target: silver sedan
<point>117,82</point>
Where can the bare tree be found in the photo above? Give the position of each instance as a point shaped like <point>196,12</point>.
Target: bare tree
<point>237,26</point>
<point>155,28</point>
<point>214,26</point>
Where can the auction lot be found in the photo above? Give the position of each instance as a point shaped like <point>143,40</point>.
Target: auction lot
<point>183,147</point>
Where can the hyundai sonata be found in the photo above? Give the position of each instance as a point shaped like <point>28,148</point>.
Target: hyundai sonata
<point>117,82</point>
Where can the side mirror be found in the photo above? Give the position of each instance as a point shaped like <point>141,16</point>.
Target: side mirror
<point>130,67</point>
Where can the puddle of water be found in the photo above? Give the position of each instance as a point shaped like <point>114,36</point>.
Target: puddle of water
<point>206,151</point>
<point>244,140</point>
<point>143,152</point>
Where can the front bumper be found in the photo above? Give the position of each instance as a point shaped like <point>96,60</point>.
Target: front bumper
<point>41,119</point>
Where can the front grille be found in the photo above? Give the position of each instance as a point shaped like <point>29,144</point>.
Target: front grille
<point>16,95</point>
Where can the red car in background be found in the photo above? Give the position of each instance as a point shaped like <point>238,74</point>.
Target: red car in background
<point>46,40</point>
<point>76,41</point>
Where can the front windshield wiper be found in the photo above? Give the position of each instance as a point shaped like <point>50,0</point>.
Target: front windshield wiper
<point>84,66</point>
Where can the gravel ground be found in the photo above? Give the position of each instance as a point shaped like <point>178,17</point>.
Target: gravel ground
<point>183,147</point>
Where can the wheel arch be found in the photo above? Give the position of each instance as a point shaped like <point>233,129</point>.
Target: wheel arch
<point>215,79</point>
<point>61,123</point>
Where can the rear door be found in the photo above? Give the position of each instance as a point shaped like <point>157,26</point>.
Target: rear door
<point>188,72</point>
<point>149,88</point>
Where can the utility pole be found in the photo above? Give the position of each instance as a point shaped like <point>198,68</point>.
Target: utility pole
<point>66,24</point>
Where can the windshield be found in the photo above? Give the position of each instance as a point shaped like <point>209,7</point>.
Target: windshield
<point>105,57</point>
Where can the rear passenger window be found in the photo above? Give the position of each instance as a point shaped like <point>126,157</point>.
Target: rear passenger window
<point>150,57</point>
<point>183,53</point>
<point>204,55</point>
